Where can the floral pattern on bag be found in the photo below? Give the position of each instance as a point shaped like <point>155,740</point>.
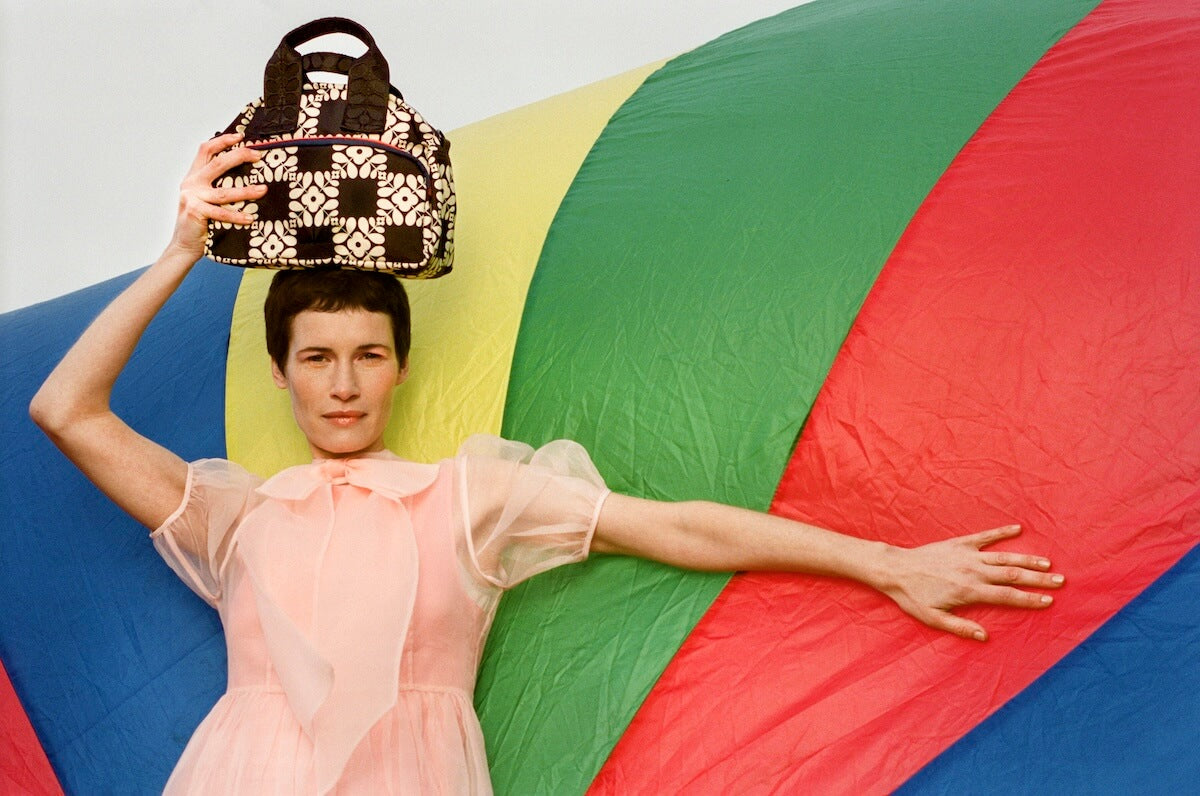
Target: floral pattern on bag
<point>320,208</point>
<point>400,199</point>
<point>360,238</point>
<point>274,239</point>
<point>314,197</point>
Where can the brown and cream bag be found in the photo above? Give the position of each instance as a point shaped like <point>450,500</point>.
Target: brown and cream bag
<point>355,177</point>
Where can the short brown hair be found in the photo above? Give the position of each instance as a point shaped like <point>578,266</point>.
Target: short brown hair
<point>331,290</point>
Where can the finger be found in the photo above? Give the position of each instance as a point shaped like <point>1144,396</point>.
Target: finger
<point>963,628</point>
<point>201,211</point>
<point>209,149</point>
<point>224,161</point>
<point>242,218</point>
<point>999,559</point>
<point>985,538</point>
<point>228,194</point>
<point>1019,576</point>
<point>1011,596</point>
<point>203,175</point>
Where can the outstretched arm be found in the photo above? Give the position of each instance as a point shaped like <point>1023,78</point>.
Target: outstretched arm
<point>72,406</point>
<point>927,582</point>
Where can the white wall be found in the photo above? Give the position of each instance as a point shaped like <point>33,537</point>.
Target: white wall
<point>104,103</point>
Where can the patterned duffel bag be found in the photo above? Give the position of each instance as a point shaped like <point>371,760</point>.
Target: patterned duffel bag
<point>355,177</point>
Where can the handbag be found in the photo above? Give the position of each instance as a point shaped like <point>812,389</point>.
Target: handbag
<point>355,177</point>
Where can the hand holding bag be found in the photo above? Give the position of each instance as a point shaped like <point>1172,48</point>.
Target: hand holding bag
<point>355,177</point>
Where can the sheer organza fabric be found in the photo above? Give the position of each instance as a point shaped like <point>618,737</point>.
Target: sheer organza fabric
<point>356,596</point>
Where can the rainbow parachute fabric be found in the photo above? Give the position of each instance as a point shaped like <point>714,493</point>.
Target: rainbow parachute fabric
<point>901,269</point>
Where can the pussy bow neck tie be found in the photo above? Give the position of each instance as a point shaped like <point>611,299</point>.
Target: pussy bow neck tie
<point>390,477</point>
<point>334,572</point>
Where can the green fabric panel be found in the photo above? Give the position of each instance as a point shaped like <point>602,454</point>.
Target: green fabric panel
<point>692,293</point>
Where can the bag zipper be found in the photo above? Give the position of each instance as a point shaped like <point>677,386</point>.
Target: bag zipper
<point>349,142</point>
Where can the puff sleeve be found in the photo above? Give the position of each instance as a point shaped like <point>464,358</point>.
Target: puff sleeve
<point>525,511</point>
<point>194,540</point>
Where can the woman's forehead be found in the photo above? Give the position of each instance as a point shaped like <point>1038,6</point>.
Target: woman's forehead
<point>348,327</point>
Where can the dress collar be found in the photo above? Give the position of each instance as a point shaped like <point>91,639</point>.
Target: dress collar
<point>382,472</point>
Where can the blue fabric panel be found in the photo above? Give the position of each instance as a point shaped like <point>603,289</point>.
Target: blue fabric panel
<point>1120,714</point>
<point>109,652</point>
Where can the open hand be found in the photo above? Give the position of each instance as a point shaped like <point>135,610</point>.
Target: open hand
<point>199,201</point>
<point>930,581</point>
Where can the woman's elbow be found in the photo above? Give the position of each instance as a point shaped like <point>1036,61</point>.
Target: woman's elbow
<point>41,410</point>
<point>50,412</point>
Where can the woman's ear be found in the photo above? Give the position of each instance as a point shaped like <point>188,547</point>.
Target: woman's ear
<point>402,376</point>
<point>278,376</point>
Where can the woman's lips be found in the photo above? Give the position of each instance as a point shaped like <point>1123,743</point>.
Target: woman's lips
<point>343,419</point>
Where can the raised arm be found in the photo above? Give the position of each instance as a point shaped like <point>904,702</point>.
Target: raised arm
<point>72,406</point>
<point>927,582</point>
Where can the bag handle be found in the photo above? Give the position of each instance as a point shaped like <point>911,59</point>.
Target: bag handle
<point>367,83</point>
<point>337,63</point>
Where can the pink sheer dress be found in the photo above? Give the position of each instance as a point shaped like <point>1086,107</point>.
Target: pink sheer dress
<point>356,596</point>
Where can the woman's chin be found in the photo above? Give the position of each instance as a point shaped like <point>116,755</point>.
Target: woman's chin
<point>343,446</point>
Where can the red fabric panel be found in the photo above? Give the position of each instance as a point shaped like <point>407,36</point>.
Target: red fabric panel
<point>23,765</point>
<point>1030,353</point>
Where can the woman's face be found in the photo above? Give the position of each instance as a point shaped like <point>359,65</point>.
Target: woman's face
<point>341,369</point>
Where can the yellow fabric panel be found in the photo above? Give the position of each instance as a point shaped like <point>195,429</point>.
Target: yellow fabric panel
<point>511,173</point>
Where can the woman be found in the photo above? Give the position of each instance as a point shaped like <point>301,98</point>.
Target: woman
<point>356,592</point>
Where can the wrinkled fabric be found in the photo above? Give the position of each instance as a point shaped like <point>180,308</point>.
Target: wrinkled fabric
<point>356,596</point>
<point>720,238</point>
<point>1028,354</point>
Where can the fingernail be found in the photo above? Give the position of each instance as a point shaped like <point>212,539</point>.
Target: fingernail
<point>1047,599</point>
<point>1058,578</point>
<point>1044,563</point>
<point>979,635</point>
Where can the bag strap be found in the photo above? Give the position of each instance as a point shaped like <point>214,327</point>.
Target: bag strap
<point>337,63</point>
<point>366,83</point>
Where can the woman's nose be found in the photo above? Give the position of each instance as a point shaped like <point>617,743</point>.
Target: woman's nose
<point>345,384</point>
